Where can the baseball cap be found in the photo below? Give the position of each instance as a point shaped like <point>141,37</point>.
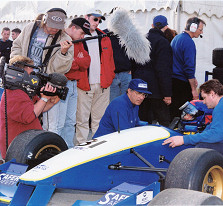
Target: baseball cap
<point>160,21</point>
<point>55,19</point>
<point>139,85</point>
<point>83,23</point>
<point>96,13</point>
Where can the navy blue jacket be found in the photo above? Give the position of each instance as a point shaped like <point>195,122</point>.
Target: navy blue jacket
<point>5,49</point>
<point>120,113</point>
<point>122,62</point>
<point>158,71</point>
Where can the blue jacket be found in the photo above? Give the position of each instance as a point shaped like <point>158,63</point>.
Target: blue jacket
<point>184,57</point>
<point>213,133</point>
<point>119,113</point>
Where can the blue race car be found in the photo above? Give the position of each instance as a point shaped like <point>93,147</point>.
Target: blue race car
<point>117,162</point>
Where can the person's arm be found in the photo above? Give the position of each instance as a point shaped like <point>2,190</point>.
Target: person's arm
<point>62,58</point>
<point>45,102</point>
<point>193,85</point>
<point>82,60</point>
<point>212,133</point>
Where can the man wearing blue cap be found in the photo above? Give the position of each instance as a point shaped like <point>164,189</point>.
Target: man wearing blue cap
<point>158,74</point>
<point>122,112</point>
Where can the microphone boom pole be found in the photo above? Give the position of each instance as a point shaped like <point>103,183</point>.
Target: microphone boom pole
<point>81,40</point>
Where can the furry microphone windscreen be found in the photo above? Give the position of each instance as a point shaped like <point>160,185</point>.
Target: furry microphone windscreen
<point>58,79</point>
<point>121,23</point>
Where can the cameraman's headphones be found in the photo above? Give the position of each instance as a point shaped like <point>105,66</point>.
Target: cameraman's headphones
<point>193,25</point>
<point>45,16</point>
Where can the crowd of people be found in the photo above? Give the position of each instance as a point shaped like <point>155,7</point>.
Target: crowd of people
<point>104,84</point>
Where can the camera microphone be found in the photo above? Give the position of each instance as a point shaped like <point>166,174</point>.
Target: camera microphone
<point>58,79</point>
<point>201,36</point>
<point>121,23</point>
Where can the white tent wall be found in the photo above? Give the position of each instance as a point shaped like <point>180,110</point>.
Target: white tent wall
<point>18,13</point>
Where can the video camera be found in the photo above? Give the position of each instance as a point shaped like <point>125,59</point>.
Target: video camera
<point>14,77</point>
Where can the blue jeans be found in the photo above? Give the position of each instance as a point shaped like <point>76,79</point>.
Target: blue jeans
<point>1,92</point>
<point>120,84</point>
<point>61,118</point>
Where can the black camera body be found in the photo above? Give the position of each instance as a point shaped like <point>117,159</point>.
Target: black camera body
<point>17,78</point>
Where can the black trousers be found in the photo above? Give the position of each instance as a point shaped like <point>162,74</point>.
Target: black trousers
<point>154,109</point>
<point>181,93</point>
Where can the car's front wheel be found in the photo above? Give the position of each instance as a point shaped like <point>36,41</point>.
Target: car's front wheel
<point>197,169</point>
<point>35,146</point>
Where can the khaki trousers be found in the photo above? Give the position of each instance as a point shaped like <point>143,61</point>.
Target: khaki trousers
<point>91,103</point>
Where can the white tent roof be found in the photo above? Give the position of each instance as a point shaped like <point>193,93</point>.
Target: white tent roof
<point>207,7</point>
<point>17,11</point>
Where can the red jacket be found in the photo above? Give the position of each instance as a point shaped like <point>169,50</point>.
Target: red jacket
<point>79,64</point>
<point>107,65</point>
<point>21,116</point>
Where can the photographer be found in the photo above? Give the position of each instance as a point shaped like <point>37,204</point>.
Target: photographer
<point>23,108</point>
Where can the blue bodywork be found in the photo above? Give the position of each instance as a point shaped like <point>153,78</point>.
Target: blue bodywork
<point>102,174</point>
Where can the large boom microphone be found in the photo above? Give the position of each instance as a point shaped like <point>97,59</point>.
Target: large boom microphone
<point>121,23</point>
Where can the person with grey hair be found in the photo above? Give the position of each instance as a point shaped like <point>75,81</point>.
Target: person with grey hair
<point>184,82</point>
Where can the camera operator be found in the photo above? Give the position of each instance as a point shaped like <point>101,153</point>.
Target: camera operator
<point>23,108</point>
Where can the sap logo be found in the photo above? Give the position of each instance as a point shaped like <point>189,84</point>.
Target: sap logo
<point>2,176</point>
<point>112,198</point>
<point>7,179</point>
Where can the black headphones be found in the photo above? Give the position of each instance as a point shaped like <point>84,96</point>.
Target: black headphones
<point>192,24</point>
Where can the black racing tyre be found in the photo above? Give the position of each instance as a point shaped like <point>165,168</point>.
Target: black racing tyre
<point>197,169</point>
<point>176,196</point>
<point>217,57</point>
<point>35,146</point>
<point>218,74</point>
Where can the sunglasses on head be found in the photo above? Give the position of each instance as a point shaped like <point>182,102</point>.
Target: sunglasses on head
<point>97,19</point>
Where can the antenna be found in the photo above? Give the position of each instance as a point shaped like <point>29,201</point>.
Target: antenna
<point>118,122</point>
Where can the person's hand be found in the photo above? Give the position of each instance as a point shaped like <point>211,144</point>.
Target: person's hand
<point>65,45</point>
<point>54,99</point>
<point>195,94</point>
<point>167,100</point>
<point>174,141</point>
<point>47,88</point>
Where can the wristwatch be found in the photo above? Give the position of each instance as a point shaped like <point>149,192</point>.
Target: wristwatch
<point>44,99</point>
